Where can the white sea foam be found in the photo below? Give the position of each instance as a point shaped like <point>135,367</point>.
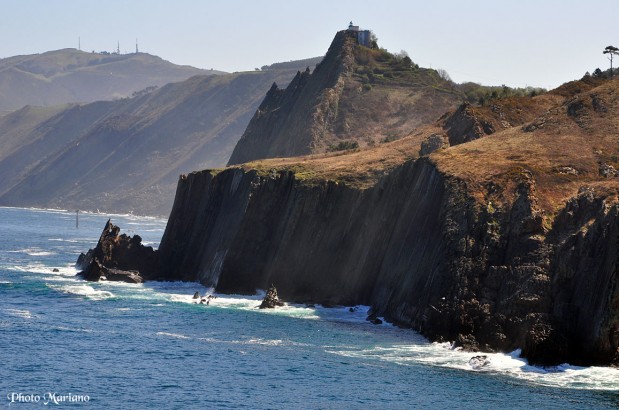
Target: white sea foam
<point>441,354</point>
<point>414,349</point>
<point>32,268</point>
<point>40,253</point>
<point>71,329</point>
<point>252,302</point>
<point>174,335</point>
<point>26,314</point>
<point>32,252</point>
<point>83,290</point>
<point>67,270</point>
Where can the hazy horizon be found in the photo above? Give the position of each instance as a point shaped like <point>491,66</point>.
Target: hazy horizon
<point>532,43</point>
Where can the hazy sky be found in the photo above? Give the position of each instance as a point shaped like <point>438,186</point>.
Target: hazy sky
<point>540,43</point>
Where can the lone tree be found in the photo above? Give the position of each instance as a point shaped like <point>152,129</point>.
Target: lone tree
<point>611,51</point>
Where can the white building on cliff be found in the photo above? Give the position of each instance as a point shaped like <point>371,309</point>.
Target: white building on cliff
<point>364,37</point>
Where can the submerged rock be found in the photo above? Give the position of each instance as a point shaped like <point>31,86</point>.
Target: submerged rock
<point>477,362</point>
<point>374,320</point>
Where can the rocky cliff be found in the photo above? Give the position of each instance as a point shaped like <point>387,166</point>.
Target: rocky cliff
<point>356,96</point>
<point>500,242</point>
<point>417,248</point>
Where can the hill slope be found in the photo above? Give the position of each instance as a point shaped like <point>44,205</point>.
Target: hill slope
<point>69,75</point>
<point>355,96</point>
<point>126,155</point>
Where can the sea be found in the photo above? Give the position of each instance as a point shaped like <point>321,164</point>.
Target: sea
<point>68,342</point>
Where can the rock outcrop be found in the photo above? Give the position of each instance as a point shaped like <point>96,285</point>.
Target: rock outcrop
<point>118,258</point>
<point>271,300</point>
<point>356,96</point>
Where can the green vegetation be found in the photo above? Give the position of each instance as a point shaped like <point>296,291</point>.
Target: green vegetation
<point>343,146</point>
<point>481,94</point>
<point>379,66</point>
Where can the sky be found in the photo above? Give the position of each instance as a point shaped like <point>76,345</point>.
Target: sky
<point>519,43</point>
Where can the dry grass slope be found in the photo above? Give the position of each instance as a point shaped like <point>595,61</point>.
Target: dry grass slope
<point>565,139</point>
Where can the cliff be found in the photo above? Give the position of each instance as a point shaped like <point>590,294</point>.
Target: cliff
<point>500,242</point>
<point>356,96</point>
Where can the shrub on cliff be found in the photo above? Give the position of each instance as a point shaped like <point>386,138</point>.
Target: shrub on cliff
<point>343,145</point>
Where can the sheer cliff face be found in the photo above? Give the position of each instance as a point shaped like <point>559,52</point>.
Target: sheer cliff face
<point>504,242</point>
<point>356,95</point>
<point>418,248</point>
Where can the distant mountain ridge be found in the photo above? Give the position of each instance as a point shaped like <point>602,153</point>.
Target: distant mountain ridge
<point>126,155</point>
<point>69,76</point>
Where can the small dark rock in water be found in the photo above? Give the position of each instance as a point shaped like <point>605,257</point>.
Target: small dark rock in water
<point>196,295</point>
<point>353,309</point>
<point>477,362</point>
<point>373,319</point>
<point>55,270</point>
<point>271,300</point>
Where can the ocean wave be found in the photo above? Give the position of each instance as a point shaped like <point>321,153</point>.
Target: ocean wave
<point>174,335</point>
<point>83,290</point>
<point>443,355</point>
<point>69,270</point>
<point>71,329</point>
<point>182,292</point>
<point>33,252</point>
<point>26,314</point>
<point>43,269</point>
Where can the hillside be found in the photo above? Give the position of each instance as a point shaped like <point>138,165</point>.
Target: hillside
<point>70,76</point>
<point>504,237</point>
<point>357,96</point>
<point>125,155</point>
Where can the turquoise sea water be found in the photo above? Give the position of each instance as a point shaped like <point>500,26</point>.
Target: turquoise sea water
<point>149,346</point>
